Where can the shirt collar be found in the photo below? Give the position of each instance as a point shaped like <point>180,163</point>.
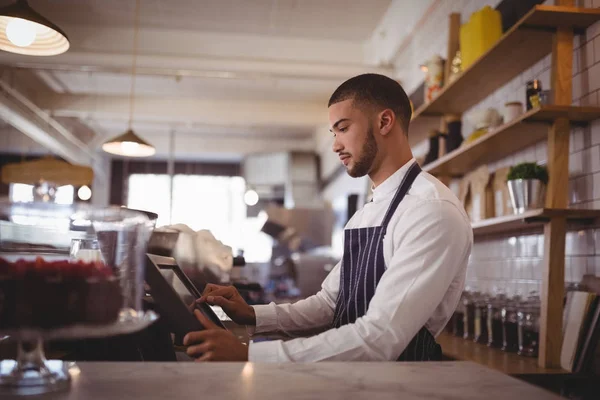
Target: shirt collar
<point>391,184</point>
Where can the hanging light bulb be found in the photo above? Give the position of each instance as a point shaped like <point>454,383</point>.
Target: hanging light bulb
<point>84,193</point>
<point>129,144</point>
<point>24,31</point>
<point>20,32</point>
<point>251,198</point>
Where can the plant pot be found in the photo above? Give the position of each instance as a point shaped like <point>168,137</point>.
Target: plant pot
<point>526,194</point>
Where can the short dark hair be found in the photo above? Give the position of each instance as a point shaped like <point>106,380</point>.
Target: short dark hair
<point>378,91</point>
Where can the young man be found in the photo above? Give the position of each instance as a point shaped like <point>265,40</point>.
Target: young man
<point>405,253</point>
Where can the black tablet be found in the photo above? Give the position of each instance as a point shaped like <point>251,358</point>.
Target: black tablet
<point>171,305</point>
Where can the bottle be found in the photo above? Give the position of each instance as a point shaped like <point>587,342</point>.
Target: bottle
<point>529,326</point>
<point>434,77</point>
<point>481,316</point>
<point>469,318</point>
<point>510,325</point>
<point>532,92</point>
<point>458,318</point>
<point>434,147</point>
<point>494,320</point>
<point>454,138</point>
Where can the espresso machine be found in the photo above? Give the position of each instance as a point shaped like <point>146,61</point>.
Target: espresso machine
<point>302,250</point>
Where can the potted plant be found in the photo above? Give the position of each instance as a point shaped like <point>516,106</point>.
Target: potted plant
<point>527,186</point>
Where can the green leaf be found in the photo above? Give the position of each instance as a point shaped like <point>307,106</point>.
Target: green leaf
<point>528,171</point>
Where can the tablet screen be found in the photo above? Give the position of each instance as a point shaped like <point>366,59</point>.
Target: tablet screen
<point>178,285</point>
<point>187,292</point>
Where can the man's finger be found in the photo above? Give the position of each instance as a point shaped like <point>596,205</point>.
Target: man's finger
<point>197,337</point>
<point>206,323</point>
<point>223,291</point>
<point>219,301</point>
<point>197,350</point>
<point>206,357</point>
<point>210,287</point>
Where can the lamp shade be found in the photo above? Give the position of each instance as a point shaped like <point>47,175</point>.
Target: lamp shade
<point>129,145</point>
<point>24,31</point>
<point>47,169</point>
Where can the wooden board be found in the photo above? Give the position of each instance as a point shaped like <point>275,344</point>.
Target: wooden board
<point>535,220</point>
<point>453,42</point>
<point>508,363</point>
<point>523,45</point>
<point>552,17</point>
<point>419,129</point>
<point>553,287</point>
<point>532,127</point>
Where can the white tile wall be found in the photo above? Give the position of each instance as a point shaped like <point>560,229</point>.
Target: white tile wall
<point>516,263</point>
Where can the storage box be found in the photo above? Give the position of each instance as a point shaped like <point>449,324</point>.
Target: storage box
<point>502,204</point>
<point>477,195</point>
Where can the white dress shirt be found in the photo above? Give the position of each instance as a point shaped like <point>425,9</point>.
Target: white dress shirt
<point>426,250</point>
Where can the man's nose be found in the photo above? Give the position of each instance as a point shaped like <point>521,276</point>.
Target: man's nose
<point>337,146</point>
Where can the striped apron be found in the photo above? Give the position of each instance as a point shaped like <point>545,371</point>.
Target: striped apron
<point>362,267</point>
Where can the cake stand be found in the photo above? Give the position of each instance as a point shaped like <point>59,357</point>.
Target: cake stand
<point>31,373</point>
<point>45,232</point>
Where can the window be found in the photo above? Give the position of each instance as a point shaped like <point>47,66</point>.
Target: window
<point>151,192</point>
<point>23,193</point>
<point>20,192</point>
<point>214,203</point>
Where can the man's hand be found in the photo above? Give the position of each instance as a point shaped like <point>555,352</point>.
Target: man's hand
<point>229,299</point>
<point>214,343</point>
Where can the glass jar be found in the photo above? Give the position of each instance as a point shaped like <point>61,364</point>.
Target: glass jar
<point>532,92</point>
<point>572,287</point>
<point>85,249</point>
<point>481,316</point>
<point>494,320</point>
<point>469,316</point>
<point>510,326</point>
<point>529,327</point>
<point>458,318</point>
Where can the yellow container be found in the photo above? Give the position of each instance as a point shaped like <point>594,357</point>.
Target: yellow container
<point>481,32</point>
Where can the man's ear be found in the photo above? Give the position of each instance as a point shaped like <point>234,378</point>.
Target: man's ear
<point>387,119</point>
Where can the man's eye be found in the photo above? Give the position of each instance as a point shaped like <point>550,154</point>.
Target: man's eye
<point>344,129</point>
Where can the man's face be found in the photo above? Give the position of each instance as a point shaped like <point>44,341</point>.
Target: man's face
<point>354,140</point>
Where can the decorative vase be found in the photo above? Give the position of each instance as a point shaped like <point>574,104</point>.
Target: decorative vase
<point>526,194</point>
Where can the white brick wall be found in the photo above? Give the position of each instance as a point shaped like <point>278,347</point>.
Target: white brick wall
<point>515,263</point>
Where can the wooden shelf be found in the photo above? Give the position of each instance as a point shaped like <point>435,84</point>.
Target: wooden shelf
<point>534,220</point>
<point>528,129</point>
<point>508,363</point>
<point>528,41</point>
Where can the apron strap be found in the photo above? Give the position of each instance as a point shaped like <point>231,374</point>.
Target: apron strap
<point>422,347</point>
<point>405,185</point>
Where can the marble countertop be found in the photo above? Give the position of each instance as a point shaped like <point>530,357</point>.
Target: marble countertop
<point>237,381</point>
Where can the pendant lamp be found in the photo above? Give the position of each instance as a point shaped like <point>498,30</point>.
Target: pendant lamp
<point>24,31</point>
<point>129,144</point>
<point>47,169</point>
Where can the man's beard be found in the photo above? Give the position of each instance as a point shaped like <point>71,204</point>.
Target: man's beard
<point>369,152</point>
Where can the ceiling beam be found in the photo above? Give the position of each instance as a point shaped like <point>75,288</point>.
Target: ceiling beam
<point>189,146</point>
<point>200,66</point>
<point>206,54</point>
<point>185,43</point>
<point>17,111</point>
<point>211,112</point>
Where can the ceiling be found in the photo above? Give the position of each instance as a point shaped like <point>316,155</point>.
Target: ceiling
<point>315,19</point>
<point>225,77</point>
